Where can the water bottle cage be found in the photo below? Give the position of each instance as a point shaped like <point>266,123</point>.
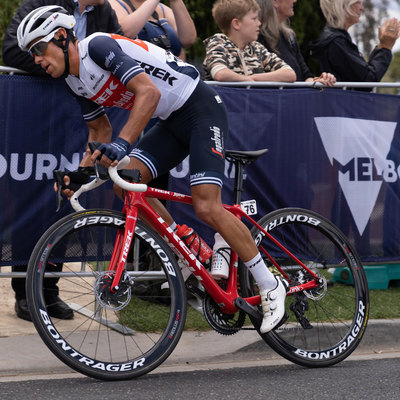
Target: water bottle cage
<point>189,244</point>
<point>225,252</point>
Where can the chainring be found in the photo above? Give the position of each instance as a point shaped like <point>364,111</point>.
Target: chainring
<point>225,324</point>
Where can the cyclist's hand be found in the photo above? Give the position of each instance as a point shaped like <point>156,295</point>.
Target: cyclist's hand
<point>71,181</point>
<point>111,153</point>
<point>66,192</point>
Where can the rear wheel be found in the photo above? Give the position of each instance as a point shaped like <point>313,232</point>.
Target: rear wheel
<point>112,336</point>
<point>326,324</point>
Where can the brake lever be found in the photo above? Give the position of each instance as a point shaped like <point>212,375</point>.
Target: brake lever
<point>59,177</point>
<point>93,147</point>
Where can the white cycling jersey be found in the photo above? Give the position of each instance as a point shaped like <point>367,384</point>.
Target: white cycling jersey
<point>108,62</point>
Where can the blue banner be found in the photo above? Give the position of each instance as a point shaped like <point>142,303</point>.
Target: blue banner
<point>335,152</point>
<point>332,151</point>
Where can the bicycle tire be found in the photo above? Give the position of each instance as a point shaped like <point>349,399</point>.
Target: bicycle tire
<point>332,319</point>
<point>103,341</point>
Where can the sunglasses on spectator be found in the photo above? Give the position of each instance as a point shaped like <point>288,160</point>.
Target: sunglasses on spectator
<point>40,47</point>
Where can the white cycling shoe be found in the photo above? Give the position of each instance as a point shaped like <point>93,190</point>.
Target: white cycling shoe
<point>273,305</point>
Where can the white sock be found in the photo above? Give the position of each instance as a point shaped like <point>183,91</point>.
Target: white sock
<point>173,226</point>
<point>263,276</point>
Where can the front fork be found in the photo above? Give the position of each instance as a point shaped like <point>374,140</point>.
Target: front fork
<point>122,245</point>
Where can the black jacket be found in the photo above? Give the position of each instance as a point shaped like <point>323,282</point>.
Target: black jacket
<point>101,19</point>
<point>289,51</point>
<point>338,55</point>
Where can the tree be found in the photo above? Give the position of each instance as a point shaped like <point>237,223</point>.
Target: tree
<point>365,33</point>
<point>308,22</point>
<point>7,10</point>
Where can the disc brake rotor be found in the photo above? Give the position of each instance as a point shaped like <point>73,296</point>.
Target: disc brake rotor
<point>112,300</point>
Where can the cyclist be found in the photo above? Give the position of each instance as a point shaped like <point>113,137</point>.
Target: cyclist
<point>111,70</point>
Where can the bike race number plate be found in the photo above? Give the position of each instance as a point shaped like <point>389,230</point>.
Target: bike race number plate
<point>249,207</point>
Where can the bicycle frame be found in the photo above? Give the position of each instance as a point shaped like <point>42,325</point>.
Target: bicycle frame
<point>135,203</point>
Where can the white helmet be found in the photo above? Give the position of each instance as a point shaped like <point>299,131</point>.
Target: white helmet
<point>41,22</point>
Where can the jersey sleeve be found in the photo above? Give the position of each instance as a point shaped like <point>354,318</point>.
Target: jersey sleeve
<point>107,54</point>
<point>90,110</point>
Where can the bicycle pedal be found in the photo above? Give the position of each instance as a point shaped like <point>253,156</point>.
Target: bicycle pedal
<point>252,311</point>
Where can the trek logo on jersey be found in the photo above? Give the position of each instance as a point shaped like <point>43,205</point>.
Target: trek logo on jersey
<point>157,72</point>
<point>358,149</point>
<point>217,139</point>
<point>114,94</point>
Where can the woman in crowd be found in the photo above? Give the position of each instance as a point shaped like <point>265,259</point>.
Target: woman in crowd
<point>169,27</point>
<point>234,54</point>
<point>277,36</point>
<point>338,54</point>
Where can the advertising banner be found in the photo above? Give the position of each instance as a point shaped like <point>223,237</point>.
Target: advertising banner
<point>332,151</point>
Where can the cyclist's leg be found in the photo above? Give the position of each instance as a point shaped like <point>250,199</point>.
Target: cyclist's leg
<point>155,154</point>
<point>207,165</point>
<point>208,207</point>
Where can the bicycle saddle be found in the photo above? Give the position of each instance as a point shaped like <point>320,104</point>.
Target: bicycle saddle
<point>244,156</point>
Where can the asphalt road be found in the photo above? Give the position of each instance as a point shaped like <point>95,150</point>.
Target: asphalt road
<point>354,379</point>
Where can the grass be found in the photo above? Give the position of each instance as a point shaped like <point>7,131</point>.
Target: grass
<point>149,316</point>
<point>385,304</point>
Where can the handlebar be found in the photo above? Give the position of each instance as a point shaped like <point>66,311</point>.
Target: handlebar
<point>113,172</point>
<point>132,187</point>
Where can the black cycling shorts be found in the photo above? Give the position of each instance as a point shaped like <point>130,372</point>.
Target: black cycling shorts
<point>197,129</point>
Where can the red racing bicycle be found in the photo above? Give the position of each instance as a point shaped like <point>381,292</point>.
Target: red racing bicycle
<point>127,320</point>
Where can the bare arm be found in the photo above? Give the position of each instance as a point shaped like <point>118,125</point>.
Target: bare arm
<point>133,23</point>
<point>179,18</point>
<point>147,97</point>
<point>100,130</point>
<point>279,75</point>
<point>227,75</point>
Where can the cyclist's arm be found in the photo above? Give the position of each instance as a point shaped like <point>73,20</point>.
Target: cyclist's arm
<point>147,97</point>
<point>133,77</point>
<point>100,130</point>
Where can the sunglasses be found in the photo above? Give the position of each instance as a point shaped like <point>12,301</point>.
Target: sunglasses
<point>40,47</point>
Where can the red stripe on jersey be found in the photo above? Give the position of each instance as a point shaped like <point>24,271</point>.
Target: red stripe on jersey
<point>114,94</point>
<point>138,42</point>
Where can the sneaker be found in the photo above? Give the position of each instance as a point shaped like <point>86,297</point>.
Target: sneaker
<point>273,305</point>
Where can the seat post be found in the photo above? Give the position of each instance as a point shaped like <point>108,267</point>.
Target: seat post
<point>238,186</point>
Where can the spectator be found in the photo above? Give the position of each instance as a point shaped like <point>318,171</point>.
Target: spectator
<point>277,36</point>
<point>235,55</point>
<point>337,53</point>
<point>91,16</point>
<point>141,18</point>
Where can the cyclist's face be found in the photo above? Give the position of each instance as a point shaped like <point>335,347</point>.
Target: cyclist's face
<point>51,58</point>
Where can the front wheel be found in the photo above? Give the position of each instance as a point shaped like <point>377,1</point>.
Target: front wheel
<point>327,323</point>
<point>111,336</point>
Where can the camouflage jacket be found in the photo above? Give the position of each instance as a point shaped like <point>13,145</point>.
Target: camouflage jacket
<point>222,53</point>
